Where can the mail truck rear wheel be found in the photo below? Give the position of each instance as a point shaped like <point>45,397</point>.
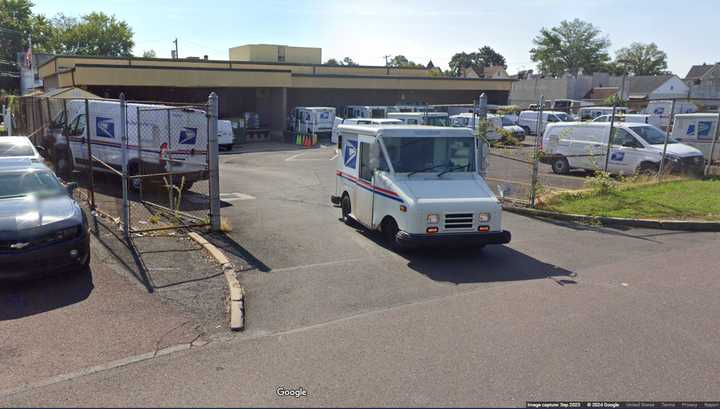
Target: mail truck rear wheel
<point>560,165</point>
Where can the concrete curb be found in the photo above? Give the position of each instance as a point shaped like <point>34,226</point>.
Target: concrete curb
<point>681,225</point>
<point>237,293</point>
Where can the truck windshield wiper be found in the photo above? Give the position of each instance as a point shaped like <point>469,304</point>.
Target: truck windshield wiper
<point>426,169</point>
<point>456,167</point>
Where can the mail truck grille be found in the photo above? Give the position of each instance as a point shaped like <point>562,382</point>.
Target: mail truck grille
<point>458,221</point>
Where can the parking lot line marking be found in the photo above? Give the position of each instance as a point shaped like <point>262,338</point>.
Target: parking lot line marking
<point>327,263</point>
<point>335,156</point>
<point>232,197</point>
<point>95,369</point>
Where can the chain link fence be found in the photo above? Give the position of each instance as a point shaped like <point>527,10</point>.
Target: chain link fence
<point>145,166</point>
<point>683,141</point>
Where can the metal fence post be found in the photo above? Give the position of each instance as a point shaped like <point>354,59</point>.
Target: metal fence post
<point>610,136</point>
<point>213,162</point>
<point>90,156</point>
<point>140,157</point>
<point>536,149</point>
<point>124,153</point>
<point>713,145</point>
<point>483,144</point>
<point>667,138</point>
<point>171,181</point>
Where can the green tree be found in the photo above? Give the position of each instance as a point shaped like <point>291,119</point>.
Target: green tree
<point>15,26</point>
<point>641,59</point>
<point>612,99</point>
<point>402,62</point>
<point>484,57</point>
<point>149,54</point>
<point>569,48</point>
<point>96,34</point>
<point>460,61</point>
<point>348,61</point>
<point>487,57</point>
<point>332,61</point>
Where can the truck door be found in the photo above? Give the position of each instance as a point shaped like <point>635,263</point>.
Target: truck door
<point>625,153</point>
<point>364,203</point>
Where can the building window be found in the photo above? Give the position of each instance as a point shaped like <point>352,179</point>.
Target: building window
<point>281,54</point>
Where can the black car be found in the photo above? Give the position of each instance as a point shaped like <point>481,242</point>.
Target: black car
<point>43,230</point>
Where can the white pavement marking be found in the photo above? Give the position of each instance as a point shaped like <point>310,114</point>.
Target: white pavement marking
<point>298,155</point>
<point>232,197</point>
<point>335,156</point>
<point>94,369</point>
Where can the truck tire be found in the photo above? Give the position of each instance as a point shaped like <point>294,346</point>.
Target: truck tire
<point>346,209</point>
<point>648,169</point>
<point>390,230</point>
<point>560,165</point>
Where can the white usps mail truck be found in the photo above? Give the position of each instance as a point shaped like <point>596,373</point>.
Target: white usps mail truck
<point>416,184</point>
<point>171,139</point>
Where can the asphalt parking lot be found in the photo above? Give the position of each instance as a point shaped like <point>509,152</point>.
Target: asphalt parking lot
<point>564,311</point>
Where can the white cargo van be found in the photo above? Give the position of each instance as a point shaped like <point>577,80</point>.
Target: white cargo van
<point>636,118</point>
<point>365,111</point>
<point>417,185</point>
<point>699,131</point>
<point>315,120</point>
<point>528,120</point>
<point>590,113</point>
<point>466,120</point>
<point>181,148</point>
<point>636,148</point>
<point>421,118</point>
<point>226,136</point>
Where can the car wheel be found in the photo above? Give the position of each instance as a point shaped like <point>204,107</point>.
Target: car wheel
<point>390,230</point>
<point>561,166</point>
<point>345,209</point>
<point>648,169</point>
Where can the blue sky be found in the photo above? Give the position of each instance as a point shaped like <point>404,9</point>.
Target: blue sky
<point>365,30</point>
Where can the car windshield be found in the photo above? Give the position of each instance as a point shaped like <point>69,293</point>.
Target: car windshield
<point>507,121</point>
<point>563,117</point>
<point>8,149</point>
<point>436,154</point>
<point>29,182</point>
<point>651,135</point>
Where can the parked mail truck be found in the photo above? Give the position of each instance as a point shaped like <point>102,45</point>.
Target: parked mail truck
<point>170,140</point>
<point>699,131</point>
<point>417,185</point>
<point>528,120</point>
<point>421,118</point>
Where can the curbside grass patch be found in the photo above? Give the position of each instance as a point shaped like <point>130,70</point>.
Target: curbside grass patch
<point>676,200</point>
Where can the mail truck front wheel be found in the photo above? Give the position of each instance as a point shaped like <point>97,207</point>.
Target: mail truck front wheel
<point>390,230</point>
<point>346,209</point>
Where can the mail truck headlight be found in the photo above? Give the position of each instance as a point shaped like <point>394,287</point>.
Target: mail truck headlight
<point>483,217</point>
<point>433,218</point>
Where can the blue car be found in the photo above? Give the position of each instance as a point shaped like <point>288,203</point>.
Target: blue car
<point>43,230</point>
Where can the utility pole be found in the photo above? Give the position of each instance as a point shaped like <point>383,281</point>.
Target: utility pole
<point>386,56</point>
<point>177,55</point>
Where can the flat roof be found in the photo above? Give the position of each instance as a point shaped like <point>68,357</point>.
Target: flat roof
<point>69,71</point>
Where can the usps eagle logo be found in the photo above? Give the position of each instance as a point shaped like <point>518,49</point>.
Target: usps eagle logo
<point>350,154</point>
<point>188,136</point>
<point>104,127</point>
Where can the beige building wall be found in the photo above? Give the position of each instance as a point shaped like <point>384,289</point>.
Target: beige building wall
<point>276,54</point>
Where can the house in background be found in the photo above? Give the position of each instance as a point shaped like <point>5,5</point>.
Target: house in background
<point>639,89</point>
<point>704,82</point>
<point>491,72</point>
